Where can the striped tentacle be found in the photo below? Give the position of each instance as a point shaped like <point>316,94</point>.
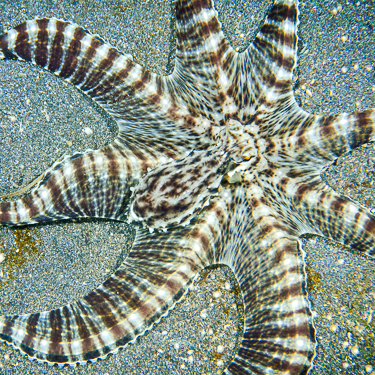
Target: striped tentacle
<point>264,255</point>
<point>202,50</point>
<point>325,138</point>
<point>274,53</point>
<point>306,143</point>
<point>279,183</point>
<point>331,215</point>
<point>261,76</point>
<point>304,137</point>
<point>309,206</point>
<point>286,159</point>
<point>278,333</point>
<point>285,156</point>
<point>153,120</point>
<point>156,275</point>
<point>92,184</point>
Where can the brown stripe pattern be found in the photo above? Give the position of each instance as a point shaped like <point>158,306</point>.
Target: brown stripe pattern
<point>92,184</point>
<point>220,158</point>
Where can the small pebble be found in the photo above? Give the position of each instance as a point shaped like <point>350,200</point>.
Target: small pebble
<point>356,67</point>
<point>217,294</point>
<point>344,69</point>
<point>345,365</point>
<point>344,38</point>
<point>345,344</point>
<point>204,314</point>
<point>87,130</point>
<point>355,350</point>
<point>369,318</point>
<point>368,368</point>
<point>190,352</point>
<point>220,363</point>
<point>220,349</point>
<point>333,328</point>
<point>2,257</point>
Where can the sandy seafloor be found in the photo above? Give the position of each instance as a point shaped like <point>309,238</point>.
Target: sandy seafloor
<point>42,117</point>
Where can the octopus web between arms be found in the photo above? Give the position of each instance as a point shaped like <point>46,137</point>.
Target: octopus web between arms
<point>218,164</point>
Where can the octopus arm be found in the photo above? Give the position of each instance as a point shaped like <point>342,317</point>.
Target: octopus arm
<point>90,184</point>
<point>152,116</point>
<point>328,214</point>
<point>322,139</point>
<point>265,256</point>
<point>155,275</point>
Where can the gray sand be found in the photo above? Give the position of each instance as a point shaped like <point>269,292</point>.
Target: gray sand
<point>42,117</point>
